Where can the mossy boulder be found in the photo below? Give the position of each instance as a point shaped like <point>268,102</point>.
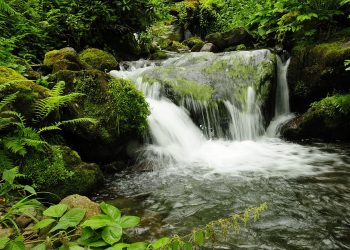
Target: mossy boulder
<point>230,38</point>
<point>61,171</point>
<point>195,43</point>
<point>328,119</point>
<point>317,71</point>
<point>119,108</point>
<point>63,59</point>
<point>28,92</point>
<point>10,75</point>
<point>98,59</point>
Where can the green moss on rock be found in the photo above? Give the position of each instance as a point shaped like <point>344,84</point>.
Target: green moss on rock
<point>317,71</point>
<point>159,55</point>
<point>10,75</point>
<point>194,43</point>
<point>62,172</point>
<point>98,59</point>
<point>327,119</point>
<point>63,59</point>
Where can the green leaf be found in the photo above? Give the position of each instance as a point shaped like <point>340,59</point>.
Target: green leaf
<point>10,175</point>
<point>162,242</point>
<point>112,234</point>
<point>41,246</point>
<point>98,221</point>
<point>188,246</point>
<point>87,236</point>
<point>199,237</point>
<point>3,242</point>
<point>43,223</point>
<point>29,189</point>
<point>98,244</point>
<point>111,211</point>
<point>119,246</point>
<point>138,246</point>
<point>129,221</point>
<point>56,210</point>
<point>15,245</point>
<point>71,219</point>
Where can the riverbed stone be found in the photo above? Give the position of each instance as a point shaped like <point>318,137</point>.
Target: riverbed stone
<point>78,201</point>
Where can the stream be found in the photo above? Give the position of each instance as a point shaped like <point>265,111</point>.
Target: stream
<point>189,175</point>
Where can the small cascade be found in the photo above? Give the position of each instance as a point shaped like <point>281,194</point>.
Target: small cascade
<point>282,108</point>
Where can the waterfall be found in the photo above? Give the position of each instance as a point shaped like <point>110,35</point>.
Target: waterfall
<point>282,108</point>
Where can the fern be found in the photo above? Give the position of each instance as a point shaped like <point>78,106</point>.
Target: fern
<point>7,100</point>
<point>6,8</point>
<point>5,161</point>
<point>78,121</point>
<point>55,101</point>
<point>4,85</point>
<point>54,127</point>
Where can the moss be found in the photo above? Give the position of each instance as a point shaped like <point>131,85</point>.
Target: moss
<point>98,59</point>
<point>131,109</point>
<point>194,43</point>
<point>54,56</point>
<point>159,55</point>
<point>9,75</point>
<point>61,172</point>
<point>327,119</point>
<point>332,53</point>
<point>200,92</point>
<point>177,47</point>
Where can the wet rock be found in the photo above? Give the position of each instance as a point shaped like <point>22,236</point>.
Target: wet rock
<point>78,201</point>
<point>195,43</point>
<point>328,119</point>
<point>208,47</point>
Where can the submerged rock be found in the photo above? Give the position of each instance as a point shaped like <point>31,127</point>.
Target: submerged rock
<point>316,72</point>
<point>98,59</point>
<point>230,38</point>
<point>328,119</point>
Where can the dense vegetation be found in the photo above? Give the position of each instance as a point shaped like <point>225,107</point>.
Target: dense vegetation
<point>61,114</point>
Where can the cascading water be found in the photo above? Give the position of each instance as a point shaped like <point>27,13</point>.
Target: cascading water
<point>224,164</point>
<point>282,109</point>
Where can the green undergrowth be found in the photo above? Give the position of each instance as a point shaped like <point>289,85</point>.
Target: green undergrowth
<point>333,106</point>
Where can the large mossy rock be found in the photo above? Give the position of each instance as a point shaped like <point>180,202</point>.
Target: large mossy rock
<point>234,37</point>
<point>28,92</point>
<point>119,108</point>
<point>61,171</point>
<point>328,119</point>
<point>63,59</point>
<point>98,59</point>
<point>316,72</point>
<point>78,201</point>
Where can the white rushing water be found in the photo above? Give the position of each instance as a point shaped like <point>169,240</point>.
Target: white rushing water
<point>282,108</point>
<point>179,146</point>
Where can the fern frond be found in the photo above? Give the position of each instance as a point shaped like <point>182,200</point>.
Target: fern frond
<point>15,114</point>
<point>15,145</point>
<point>36,144</point>
<point>7,99</point>
<point>58,89</point>
<point>6,8</point>
<point>44,107</point>
<point>78,121</point>
<point>49,128</point>
<point>5,122</point>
